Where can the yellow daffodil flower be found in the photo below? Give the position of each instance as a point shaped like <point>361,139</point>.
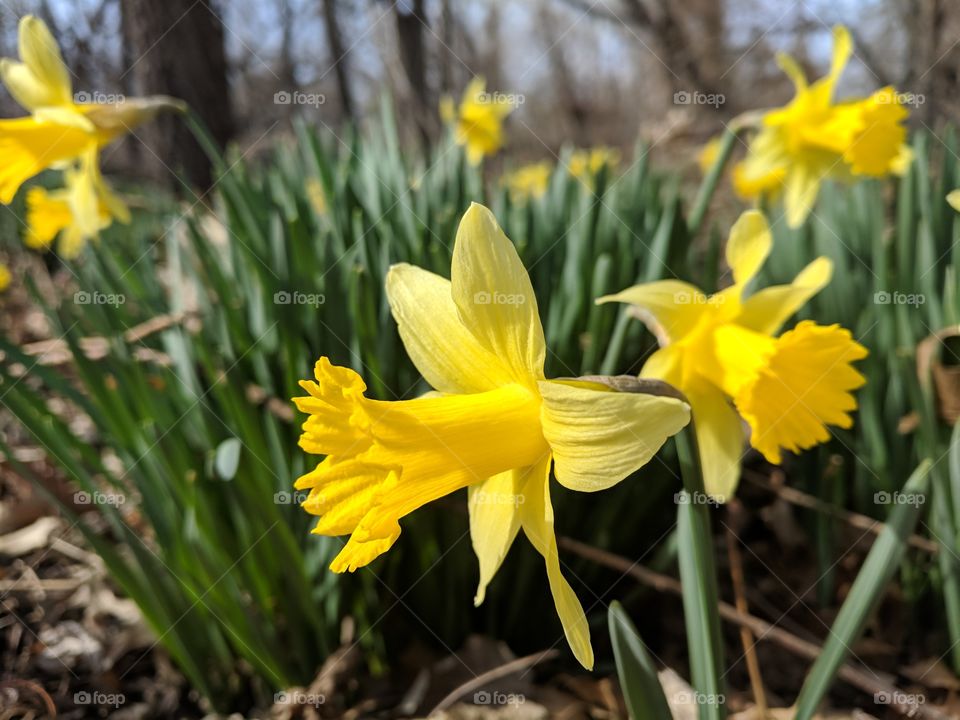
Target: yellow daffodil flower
<point>494,425</point>
<point>5,277</point>
<point>59,129</point>
<point>813,138</point>
<point>77,213</point>
<point>585,164</point>
<point>478,122</point>
<point>528,181</point>
<point>716,348</point>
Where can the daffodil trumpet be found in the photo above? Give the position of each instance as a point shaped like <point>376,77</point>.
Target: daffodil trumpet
<point>494,423</point>
<point>726,354</point>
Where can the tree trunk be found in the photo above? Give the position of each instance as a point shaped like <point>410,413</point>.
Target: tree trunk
<point>338,57</point>
<point>411,21</point>
<point>177,46</point>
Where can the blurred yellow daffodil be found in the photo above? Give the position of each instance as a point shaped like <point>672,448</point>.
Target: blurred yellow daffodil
<point>585,164</point>
<point>528,181</point>
<point>77,213</point>
<point>59,128</point>
<point>813,138</point>
<point>478,121</point>
<point>494,425</point>
<point>724,347</point>
<point>5,277</point>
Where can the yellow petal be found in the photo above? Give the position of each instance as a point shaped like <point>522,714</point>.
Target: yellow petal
<point>806,384</point>
<point>842,50</point>
<point>670,308</point>
<point>719,438</point>
<point>68,116</point>
<point>115,120</point>
<point>445,352</point>
<point>47,214</point>
<point>386,459</point>
<point>536,516</point>
<point>900,165</point>
<point>764,168</point>
<point>954,199</point>
<point>494,297</point>
<point>83,200</point>
<point>665,364</point>
<point>793,70</point>
<point>599,436</point>
<point>768,309</point>
<point>42,79</point>
<point>27,147</point>
<point>800,193</point>
<point>494,506</point>
<point>749,245</point>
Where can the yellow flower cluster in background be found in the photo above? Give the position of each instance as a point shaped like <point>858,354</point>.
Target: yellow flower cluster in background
<point>528,181</point>
<point>725,347</point>
<point>495,424</point>
<point>478,120</point>
<point>813,138</point>
<point>63,134</point>
<point>585,164</point>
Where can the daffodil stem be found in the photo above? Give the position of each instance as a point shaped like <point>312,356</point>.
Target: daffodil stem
<point>710,181</point>
<point>698,577</point>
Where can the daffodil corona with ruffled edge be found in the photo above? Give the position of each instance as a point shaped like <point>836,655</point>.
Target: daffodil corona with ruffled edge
<point>723,347</point>
<point>478,121</point>
<point>813,139</point>
<point>494,425</point>
<point>59,129</point>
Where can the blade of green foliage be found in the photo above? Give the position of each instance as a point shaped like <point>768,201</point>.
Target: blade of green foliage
<point>881,563</point>
<point>638,675</point>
